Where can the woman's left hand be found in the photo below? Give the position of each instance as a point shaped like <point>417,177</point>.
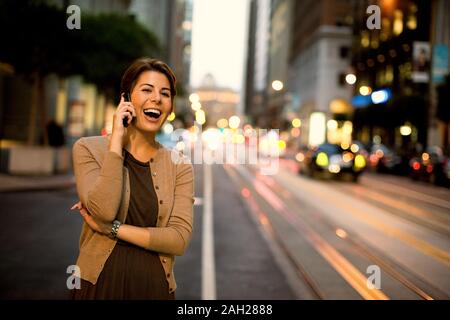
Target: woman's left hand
<point>93,223</point>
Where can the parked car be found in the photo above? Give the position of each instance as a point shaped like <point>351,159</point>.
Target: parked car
<point>331,160</point>
<point>383,159</point>
<point>432,166</point>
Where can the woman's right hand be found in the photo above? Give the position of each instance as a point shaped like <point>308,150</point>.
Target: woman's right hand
<point>125,110</point>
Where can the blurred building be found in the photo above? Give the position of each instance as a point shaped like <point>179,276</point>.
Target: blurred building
<point>277,75</point>
<point>392,65</point>
<point>216,102</point>
<point>439,112</point>
<point>308,55</point>
<point>257,62</point>
<point>318,63</point>
<point>79,107</point>
<point>96,6</point>
<point>171,21</point>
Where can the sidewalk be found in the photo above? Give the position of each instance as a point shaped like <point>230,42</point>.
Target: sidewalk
<point>11,183</point>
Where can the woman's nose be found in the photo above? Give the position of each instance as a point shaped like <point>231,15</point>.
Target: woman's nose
<point>155,97</point>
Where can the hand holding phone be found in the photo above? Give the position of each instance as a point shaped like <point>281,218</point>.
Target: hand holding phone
<point>128,99</point>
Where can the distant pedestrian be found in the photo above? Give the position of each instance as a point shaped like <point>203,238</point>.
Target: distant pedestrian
<point>55,134</point>
<point>136,197</point>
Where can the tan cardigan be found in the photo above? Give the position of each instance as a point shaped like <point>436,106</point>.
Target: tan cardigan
<point>103,187</point>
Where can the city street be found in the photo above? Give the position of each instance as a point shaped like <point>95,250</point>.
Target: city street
<point>318,130</point>
<point>261,237</point>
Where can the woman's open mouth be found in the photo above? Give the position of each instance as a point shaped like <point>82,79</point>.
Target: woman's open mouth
<point>152,114</point>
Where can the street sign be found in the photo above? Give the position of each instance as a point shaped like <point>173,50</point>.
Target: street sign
<point>440,63</point>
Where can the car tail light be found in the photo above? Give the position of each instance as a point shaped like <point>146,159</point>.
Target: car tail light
<point>416,165</point>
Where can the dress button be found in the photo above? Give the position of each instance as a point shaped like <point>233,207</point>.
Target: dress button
<point>160,217</point>
<point>164,260</point>
<point>160,201</point>
<point>154,174</point>
<point>151,160</point>
<point>157,188</point>
<point>168,275</point>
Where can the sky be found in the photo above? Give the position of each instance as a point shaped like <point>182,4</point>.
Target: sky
<point>219,37</point>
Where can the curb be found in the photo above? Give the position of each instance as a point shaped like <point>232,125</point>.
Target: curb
<point>39,188</point>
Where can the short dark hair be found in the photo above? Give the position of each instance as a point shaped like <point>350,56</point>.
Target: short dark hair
<point>140,65</point>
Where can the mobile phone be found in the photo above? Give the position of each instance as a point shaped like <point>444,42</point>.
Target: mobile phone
<point>128,99</point>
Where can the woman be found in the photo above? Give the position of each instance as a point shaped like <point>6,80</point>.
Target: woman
<point>136,197</point>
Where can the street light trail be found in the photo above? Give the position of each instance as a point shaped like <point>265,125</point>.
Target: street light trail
<point>346,269</point>
<point>402,191</point>
<point>358,245</point>
<point>409,211</point>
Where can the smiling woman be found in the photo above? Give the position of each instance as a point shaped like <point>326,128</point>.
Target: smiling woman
<point>136,197</point>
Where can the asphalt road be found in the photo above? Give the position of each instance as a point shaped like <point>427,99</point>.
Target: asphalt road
<point>282,236</point>
<point>39,239</point>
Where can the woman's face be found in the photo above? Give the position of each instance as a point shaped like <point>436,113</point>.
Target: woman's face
<point>152,100</point>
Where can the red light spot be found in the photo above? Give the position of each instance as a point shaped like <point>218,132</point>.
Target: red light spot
<point>373,159</point>
<point>429,168</point>
<point>416,165</point>
<point>245,193</point>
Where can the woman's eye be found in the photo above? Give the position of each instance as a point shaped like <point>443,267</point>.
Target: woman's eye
<point>166,94</point>
<point>146,90</point>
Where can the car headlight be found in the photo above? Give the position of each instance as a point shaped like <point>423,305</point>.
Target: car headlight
<point>360,162</point>
<point>322,159</point>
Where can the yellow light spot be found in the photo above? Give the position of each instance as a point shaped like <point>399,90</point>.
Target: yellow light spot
<point>300,157</point>
<point>360,162</point>
<point>322,159</point>
<point>296,123</point>
<point>193,97</point>
<point>171,117</point>
<point>347,156</point>
<point>222,123</point>
<point>365,90</point>
<point>341,233</point>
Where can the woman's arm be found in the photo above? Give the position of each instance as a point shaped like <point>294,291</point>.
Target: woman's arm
<point>100,188</point>
<point>175,237</point>
<point>172,239</point>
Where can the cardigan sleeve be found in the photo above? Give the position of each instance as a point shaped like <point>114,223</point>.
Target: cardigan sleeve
<point>99,187</point>
<point>175,237</point>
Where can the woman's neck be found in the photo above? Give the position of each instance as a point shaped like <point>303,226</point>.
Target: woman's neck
<point>142,146</point>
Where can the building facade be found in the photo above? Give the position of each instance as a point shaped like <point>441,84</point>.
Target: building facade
<point>392,65</point>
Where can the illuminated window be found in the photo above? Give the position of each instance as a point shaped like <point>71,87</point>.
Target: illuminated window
<point>398,22</point>
<point>411,21</point>
<point>375,41</point>
<point>365,41</point>
<point>317,128</point>
<point>389,76</point>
